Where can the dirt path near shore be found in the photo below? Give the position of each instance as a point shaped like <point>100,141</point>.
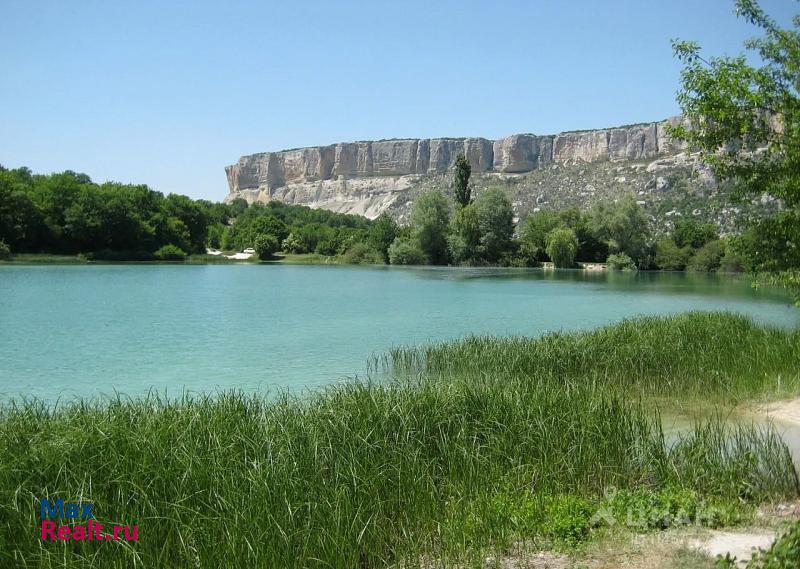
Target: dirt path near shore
<point>785,411</point>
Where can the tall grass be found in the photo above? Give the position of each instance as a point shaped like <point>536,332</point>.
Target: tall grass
<point>710,356</point>
<point>363,474</point>
<point>45,258</point>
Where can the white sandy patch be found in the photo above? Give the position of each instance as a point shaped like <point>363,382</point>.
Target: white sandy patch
<point>239,256</point>
<point>738,545</point>
<point>784,411</point>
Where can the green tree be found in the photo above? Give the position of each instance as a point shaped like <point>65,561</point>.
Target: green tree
<point>170,253</point>
<point>238,207</point>
<point>215,212</point>
<point>405,252</point>
<point>265,245</point>
<point>193,218</point>
<point>690,233</point>
<point>590,247</point>
<point>732,261</point>
<point>745,118</point>
<point>293,244</point>
<point>346,237</point>
<point>708,258</point>
<point>271,225</point>
<point>464,239</point>
<point>68,213</point>
<point>533,235</point>
<point>361,253</point>
<point>620,262</point>
<point>461,189</point>
<point>562,246</point>
<point>84,221</point>
<point>53,196</point>
<point>496,220</point>
<point>172,230</point>
<point>382,233</point>
<point>216,231</point>
<point>21,223</point>
<point>312,234</point>
<point>255,221</point>
<point>623,226</point>
<point>328,246</point>
<point>430,218</point>
<point>670,257</point>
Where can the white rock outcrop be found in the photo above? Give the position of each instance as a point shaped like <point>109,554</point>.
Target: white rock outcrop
<point>367,177</point>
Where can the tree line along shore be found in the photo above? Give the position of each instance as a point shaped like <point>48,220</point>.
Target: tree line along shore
<point>65,216</point>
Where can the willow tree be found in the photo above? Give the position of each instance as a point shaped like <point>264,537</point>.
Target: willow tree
<point>562,246</point>
<point>430,218</point>
<point>745,119</point>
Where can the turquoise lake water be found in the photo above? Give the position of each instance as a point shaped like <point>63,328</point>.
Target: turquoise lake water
<point>70,331</point>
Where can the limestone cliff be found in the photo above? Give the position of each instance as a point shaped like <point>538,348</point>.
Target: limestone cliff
<point>369,177</point>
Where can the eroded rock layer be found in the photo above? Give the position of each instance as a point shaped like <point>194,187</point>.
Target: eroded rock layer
<point>366,177</point>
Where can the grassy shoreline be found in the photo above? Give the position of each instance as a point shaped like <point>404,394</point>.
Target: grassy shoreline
<point>196,259</point>
<point>279,259</point>
<point>461,449</point>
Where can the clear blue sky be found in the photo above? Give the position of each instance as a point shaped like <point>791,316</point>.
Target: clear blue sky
<point>167,93</point>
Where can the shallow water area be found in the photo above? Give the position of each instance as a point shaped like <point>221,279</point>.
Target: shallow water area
<point>676,425</point>
<point>89,330</point>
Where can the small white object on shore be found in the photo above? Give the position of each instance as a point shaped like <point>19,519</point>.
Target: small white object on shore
<point>246,254</point>
<point>243,256</point>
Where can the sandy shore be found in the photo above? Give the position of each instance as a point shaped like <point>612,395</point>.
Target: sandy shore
<point>784,411</point>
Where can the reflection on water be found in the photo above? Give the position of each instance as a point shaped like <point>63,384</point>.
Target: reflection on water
<point>661,282</point>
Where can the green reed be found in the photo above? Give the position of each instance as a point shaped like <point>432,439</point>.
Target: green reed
<point>709,356</point>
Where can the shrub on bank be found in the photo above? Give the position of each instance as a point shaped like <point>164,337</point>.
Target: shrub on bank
<point>5,251</point>
<point>708,258</point>
<point>362,254</point>
<point>783,554</point>
<point>265,245</point>
<point>170,253</point>
<point>620,262</point>
<point>670,257</point>
<point>404,252</point>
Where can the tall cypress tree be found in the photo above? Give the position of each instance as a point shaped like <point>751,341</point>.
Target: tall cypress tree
<point>461,187</point>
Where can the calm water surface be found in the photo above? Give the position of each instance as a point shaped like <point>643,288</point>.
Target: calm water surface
<point>70,331</point>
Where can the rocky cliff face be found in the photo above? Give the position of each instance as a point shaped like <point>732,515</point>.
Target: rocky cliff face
<point>368,177</point>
